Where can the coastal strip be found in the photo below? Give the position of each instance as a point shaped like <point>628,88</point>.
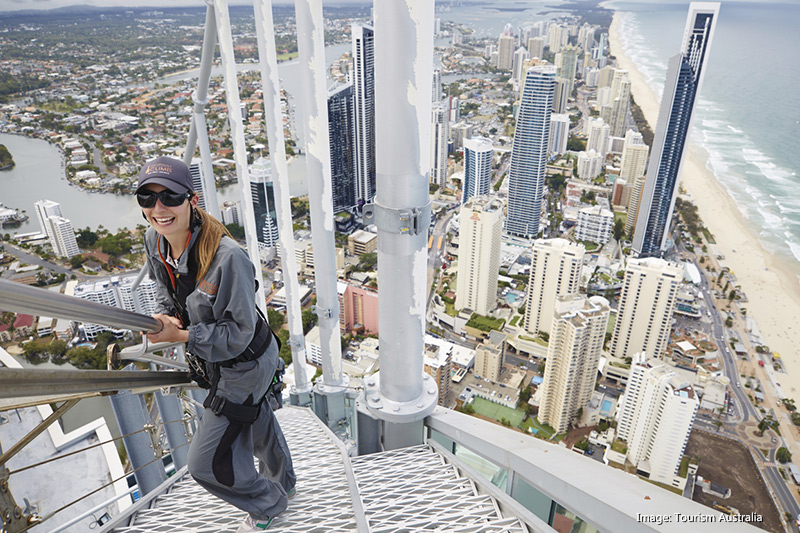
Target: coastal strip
<point>770,282</point>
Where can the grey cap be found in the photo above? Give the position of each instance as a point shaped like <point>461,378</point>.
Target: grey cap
<point>171,173</point>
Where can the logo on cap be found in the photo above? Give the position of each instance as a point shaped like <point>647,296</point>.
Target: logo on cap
<point>158,168</point>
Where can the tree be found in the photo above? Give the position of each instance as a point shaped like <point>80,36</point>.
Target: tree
<point>468,409</point>
<point>237,232</point>
<point>367,262</point>
<point>309,320</point>
<point>783,455</point>
<point>619,229</point>
<point>525,394</point>
<point>275,318</point>
<point>505,422</point>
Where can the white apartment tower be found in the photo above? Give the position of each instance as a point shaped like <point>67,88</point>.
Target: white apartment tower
<point>632,169</point>
<point>590,165</point>
<point>595,224</point>
<point>64,242</point>
<point>536,47</point>
<point>555,271</point>
<point>44,210</point>
<point>478,154</point>
<point>440,134</point>
<point>655,417</point>
<point>573,355</point>
<point>481,226</point>
<point>517,64</point>
<point>599,136</point>
<point>644,317</point>
<point>505,48</point>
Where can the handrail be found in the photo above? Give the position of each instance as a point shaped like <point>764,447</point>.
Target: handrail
<point>26,382</point>
<point>20,298</point>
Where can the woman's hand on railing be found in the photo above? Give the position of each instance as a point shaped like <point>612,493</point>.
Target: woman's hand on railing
<point>170,330</point>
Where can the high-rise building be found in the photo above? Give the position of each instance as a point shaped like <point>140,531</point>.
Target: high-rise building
<point>644,316</point>
<point>488,362</point>
<point>605,77</point>
<point>518,62</point>
<point>440,135</point>
<point>263,197</point>
<point>555,271</point>
<point>481,227</point>
<point>44,210</point>
<point>599,136</point>
<point>437,363</point>
<point>559,133</point>
<point>436,94</point>
<point>505,52</point>
<point>230,213</point>
<point>595,224</point>
<point>478,154</point>
<point>529,152</point>
<point>63,242</point>
<point>453,105</point>
<point>555,38</point>
<point>616,111</point>
<point>684,79</point>
<point>116,292</point>
<point>633,204</point>
<point>590,165</point>
<point>573,354</point>
<point>536,47</point>
<point>655,417</point>
<point>460,132</point>
<point>196,172</point>
<point>569,64</point>
<point>364,99</point>
<point>560,95</point>
<point>634,156</point>
<point>341,131</point>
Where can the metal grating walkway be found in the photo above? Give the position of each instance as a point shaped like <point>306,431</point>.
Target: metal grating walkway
<point>323,502</point>
<point>406,490</point>
<point>413,489</point>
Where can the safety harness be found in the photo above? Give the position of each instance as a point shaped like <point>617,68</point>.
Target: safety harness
<point>179,289</point>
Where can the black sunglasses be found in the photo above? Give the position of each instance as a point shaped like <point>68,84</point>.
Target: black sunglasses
<point>147,199</point>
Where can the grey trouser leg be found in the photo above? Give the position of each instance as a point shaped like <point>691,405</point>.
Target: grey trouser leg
<point>221,453</point>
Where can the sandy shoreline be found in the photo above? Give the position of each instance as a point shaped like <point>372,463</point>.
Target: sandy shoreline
<point>769,281</point>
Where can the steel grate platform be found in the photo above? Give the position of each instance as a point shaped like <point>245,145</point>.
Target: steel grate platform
<point>406,490</point>
<point>413,489</point>
<point>323,502</point>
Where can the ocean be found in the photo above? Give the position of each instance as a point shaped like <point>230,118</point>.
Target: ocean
<point>747,118</point>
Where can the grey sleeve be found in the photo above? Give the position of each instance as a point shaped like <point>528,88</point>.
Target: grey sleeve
<point>234,312</point>
<point>164,303</point>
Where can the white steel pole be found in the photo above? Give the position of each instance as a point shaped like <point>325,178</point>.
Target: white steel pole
<point>401,392</point>
<point>198,131</point>
<point>237,136</point>
<point>311,47</point>
<point>277,151</point>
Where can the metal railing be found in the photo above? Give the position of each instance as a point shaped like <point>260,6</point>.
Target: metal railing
<point>33,387</point>
<point>552,480</point>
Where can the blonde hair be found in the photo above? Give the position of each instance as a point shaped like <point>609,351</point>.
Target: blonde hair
<point>212,231</point>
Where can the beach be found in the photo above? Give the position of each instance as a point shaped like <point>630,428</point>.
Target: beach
<point>769,282</point>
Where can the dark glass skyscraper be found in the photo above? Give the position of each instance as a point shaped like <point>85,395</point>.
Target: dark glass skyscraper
<point>529,152</point>
<point>342,140</point>
<point>684,77</point>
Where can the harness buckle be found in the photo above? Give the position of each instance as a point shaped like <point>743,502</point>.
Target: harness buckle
<point>217,405</point>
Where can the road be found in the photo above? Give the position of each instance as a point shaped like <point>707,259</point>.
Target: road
<point>31,259</point>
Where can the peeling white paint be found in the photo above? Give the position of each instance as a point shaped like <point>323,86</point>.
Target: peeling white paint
<point>277,149</point>
<point>237,136</point>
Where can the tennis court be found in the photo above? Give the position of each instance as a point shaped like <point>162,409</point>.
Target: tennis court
<point>497,411</point>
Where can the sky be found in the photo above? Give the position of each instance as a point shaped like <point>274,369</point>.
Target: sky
<point>16,5</point>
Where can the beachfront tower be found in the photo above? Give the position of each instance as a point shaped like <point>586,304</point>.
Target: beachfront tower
<point>573,355</point>
<point>341,118</point>
<point>529,152</point>
<point>684,78</point>
<point>364,97</point>
<point>555,271</point>
<point>477,167</point>
<point>479,237</point>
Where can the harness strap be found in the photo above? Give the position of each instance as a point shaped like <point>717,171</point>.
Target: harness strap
<point>235,412</point>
